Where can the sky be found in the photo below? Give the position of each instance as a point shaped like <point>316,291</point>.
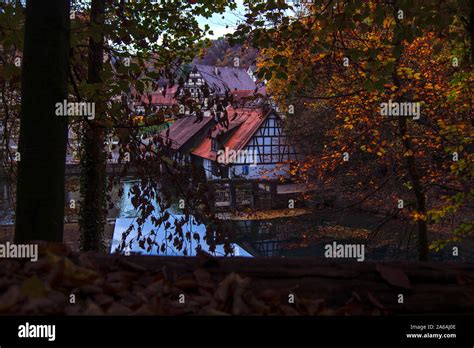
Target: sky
<point>218,25</point>
<point>231,19</point>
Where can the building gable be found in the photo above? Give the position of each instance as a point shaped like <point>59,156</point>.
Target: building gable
<point>219,80</point>
<point>270,142</point>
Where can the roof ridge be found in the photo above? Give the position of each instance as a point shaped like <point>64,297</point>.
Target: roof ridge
<point>221,67</point>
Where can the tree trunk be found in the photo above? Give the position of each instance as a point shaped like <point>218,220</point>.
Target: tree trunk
<point>471,32</point>
<point>417,190</point>
<point>410,163</point>
<point>93,159</point>
<point>43,135</point>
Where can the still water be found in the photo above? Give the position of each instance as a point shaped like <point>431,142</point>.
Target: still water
<point>251,238</point>
<point>301,236</point>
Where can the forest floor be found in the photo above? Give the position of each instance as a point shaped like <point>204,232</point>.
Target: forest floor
<point>147,285</point>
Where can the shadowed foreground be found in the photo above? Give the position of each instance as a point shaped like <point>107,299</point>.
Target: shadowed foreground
<point>142,285</point>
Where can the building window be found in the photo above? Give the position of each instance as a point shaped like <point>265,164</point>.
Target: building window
<point>243,195</point>
<point>222,196</point>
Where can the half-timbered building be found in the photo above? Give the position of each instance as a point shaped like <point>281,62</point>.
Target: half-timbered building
<point>252,145</point>
<point>219,81</point>
<point>184,135</point>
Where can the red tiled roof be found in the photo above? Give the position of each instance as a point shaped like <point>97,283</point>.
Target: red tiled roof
<point>247,123</point>
<point>219,128</point>
<point>242,93</point>
<point>157,97</point>
<point>183,129</point>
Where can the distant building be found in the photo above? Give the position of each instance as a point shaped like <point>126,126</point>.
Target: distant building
<point>161,98</point>
<point>243,148</point>
<point>219,80</point>
<point>248,143</point>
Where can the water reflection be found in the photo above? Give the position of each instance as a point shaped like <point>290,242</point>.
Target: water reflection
<point>160,244</point>
<point>276,237</point>
<point>250,238</point>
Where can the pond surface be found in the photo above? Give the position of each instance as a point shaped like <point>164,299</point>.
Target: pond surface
<point>301,236</point>
<point>252,237</point>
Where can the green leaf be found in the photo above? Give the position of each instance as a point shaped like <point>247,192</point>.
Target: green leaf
<point>281,75</point>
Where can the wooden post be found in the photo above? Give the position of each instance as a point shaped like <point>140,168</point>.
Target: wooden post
<point>273,193</point>
<point>233,196</point>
